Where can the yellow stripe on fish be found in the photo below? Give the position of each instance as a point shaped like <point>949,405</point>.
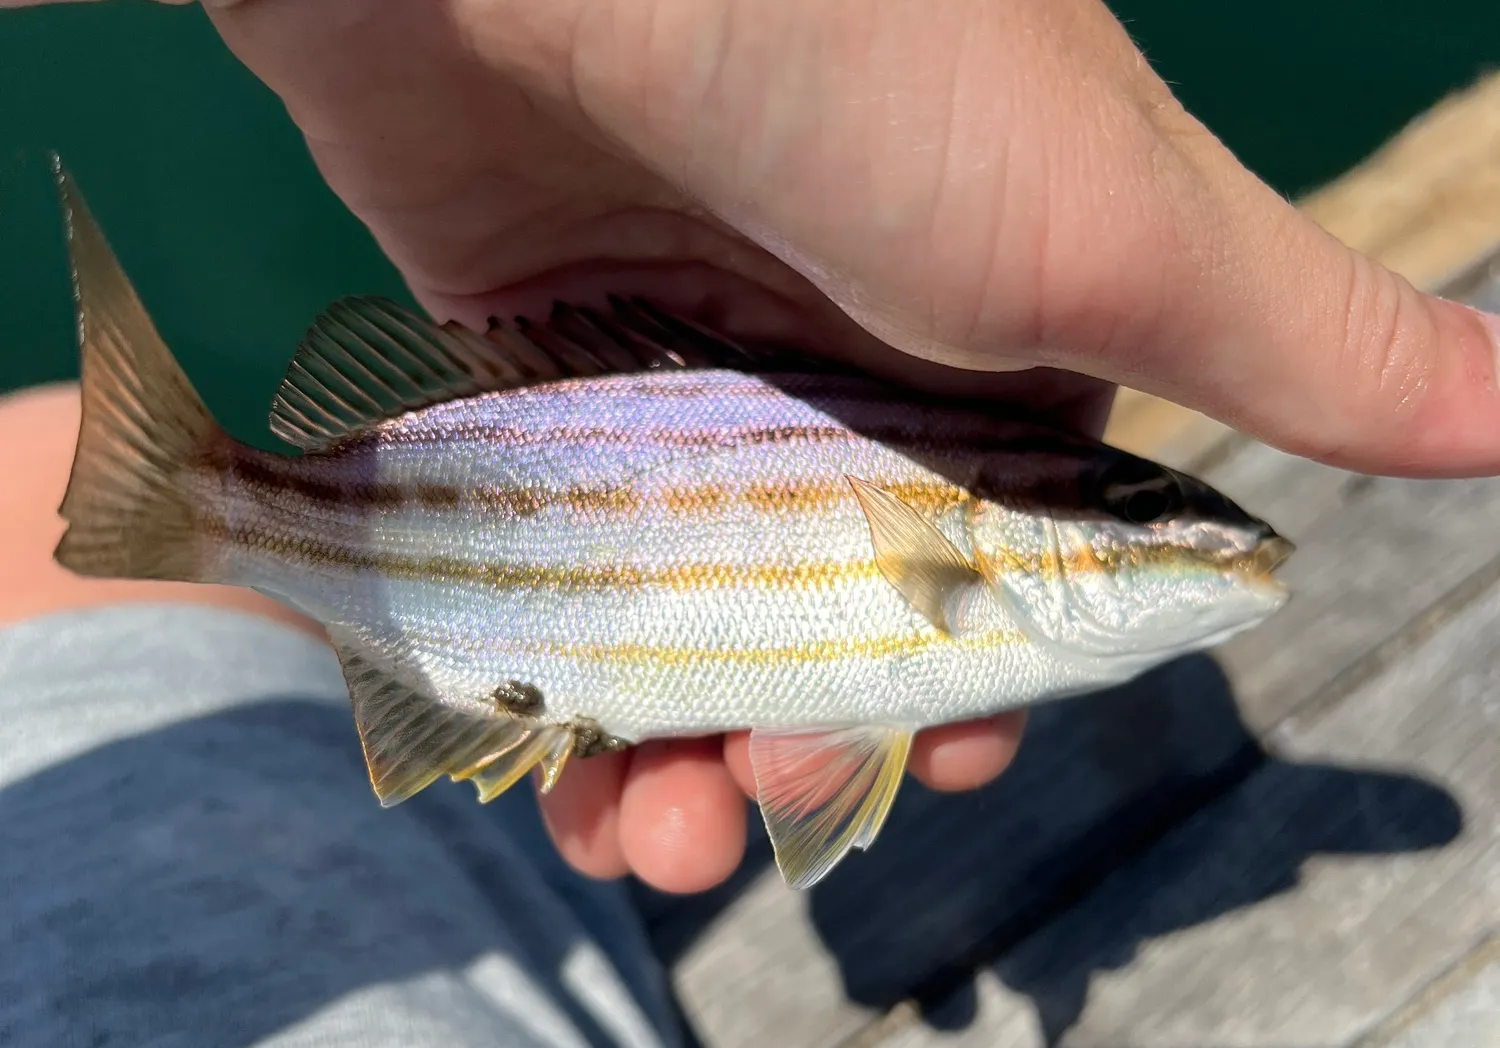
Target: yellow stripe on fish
<point>828,650</point>
<point>323,552</point>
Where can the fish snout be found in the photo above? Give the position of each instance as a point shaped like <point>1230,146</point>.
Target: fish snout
<point>1271,552</point>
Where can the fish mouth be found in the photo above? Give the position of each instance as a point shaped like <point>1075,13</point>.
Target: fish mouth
<point>1270,553</point>
<point>1258,567</point>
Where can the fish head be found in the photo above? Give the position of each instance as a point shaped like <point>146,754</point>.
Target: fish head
<point>1109,555</point>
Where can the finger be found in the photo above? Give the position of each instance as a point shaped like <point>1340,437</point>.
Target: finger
<point>1248,311</point>
<point>955,757</point>
<point>737,760</point>
<point>682,818</point>
<point>582,814</point>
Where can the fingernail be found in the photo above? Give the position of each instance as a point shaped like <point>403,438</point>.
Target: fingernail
<point>1490,321</point>
<point>1491,325</point>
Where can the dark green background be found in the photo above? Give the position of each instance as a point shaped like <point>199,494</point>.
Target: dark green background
<point>207,195</point>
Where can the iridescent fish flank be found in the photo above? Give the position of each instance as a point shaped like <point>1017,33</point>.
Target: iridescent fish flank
<point>564,538</point>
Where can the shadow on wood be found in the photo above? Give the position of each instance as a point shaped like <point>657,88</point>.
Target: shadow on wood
<point>954,882</point>
<point>1313,810</point>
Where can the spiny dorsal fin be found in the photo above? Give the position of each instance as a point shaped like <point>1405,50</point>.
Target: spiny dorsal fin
<point>823,792</point>
<point>367,359</point>
<point>917,558</point>
<point>410,740</point>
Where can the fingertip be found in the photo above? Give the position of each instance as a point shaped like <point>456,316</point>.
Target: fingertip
<point>1404,385</point>
<point>582,815</point>
<point>1328,354</point>
<point>682,816</point>
<point>737,760</point>
<point>1454,425</point>
<point>956,757</point>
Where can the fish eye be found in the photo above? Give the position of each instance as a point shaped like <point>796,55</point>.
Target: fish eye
<point>1139,492</point>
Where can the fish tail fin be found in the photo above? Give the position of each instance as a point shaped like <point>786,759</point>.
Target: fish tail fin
<point>142,426</point>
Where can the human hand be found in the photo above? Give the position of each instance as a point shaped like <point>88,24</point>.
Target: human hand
<point>990,185</point>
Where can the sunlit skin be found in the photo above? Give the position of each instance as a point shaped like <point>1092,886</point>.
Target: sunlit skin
<point>997,185</point>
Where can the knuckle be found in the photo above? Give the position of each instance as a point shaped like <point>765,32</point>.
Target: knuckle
<point>1386,338</point>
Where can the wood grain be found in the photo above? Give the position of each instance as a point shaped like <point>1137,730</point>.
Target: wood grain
<point>1364,568</point>
<point>1461,1006</point>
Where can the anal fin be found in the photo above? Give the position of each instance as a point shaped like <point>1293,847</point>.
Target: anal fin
<point>825,791</point>
<point>548,746</point>
<point>410,739</point>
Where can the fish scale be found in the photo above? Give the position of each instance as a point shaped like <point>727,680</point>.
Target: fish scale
<point>555,540</point>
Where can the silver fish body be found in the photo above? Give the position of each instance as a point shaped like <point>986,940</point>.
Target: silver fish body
<point>673,553</point>
<point>561,540</point>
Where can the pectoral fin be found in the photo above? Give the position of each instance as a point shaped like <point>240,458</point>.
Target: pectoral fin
<point>917,558</point>
<point>410,739</point>
<point>824,792</point>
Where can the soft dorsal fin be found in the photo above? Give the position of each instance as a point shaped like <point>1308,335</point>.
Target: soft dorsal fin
<point>365,360</point>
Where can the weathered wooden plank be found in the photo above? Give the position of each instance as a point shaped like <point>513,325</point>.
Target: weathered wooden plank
<point>1392,548</point>
<point>1304,907</point>
<point>1479,284</point>
<point>1460,1007</point>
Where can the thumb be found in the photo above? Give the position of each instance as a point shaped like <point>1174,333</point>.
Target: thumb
<point>1268,323</point>
<point>1055,205</point>
<point>1052,205</point>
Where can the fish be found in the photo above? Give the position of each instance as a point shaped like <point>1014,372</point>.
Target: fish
<point>561,538</point>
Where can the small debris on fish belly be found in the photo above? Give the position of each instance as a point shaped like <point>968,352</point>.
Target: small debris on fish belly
<point>519,699</point>
<point>622,512</point>
<point>593,740</point>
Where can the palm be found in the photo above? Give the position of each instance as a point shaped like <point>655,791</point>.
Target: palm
<point>495,180</point>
